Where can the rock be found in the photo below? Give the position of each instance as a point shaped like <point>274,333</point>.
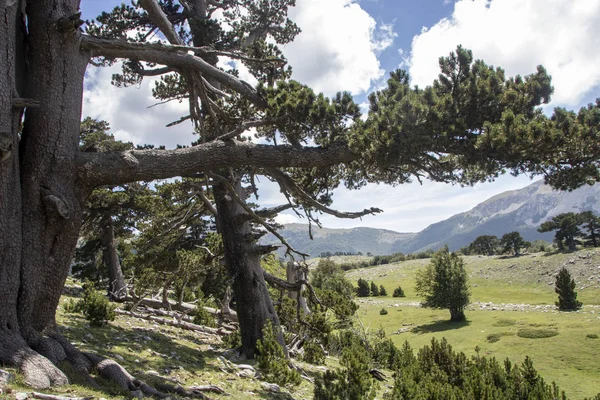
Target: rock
<point>245,366</point>
<point>5,377</point>
<point>152,372</point>
<point>137,394</point>
<point>271,387</point>
<point>119,357</point>
<point>88,336</point>
<point>21,396</point>
<point>246,373</point>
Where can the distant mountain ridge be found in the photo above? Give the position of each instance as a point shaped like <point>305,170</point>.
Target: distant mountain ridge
<point>520,210</point>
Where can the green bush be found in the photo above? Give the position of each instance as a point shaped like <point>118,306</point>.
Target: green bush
<point>383,311</point>
<point>565,288</point>
<point>95,307</point>
<point>398,292</point>
<point>494,337</point>
<point>505,322</point>
<point>271,360</point>
<point>313,353</point>
<point>591,336</point>
<point>363,289</point>
<point>536,333</point>
<point>203,317</point>
<point>353,381</point>
<point>72,306</point>
<point>233,340</point>
<point>382,291</point>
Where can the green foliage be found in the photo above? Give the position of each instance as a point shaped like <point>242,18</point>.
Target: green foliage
<point>493,338</point>
<point>95,307</point>
<point>271,359</point>
<point>363,289</point>
<point>567,229</point>
<point>591,336</point>
<point>72,306</point>
<point>443,284</point>
<point>382,291</point>
<point>313,353</point>
<point>536,333</point>
<point>353,381</point>
<point>329,276</point>
<point>203,317</point>
<point>233,340</point>
<point>565,288</point>
<point>398,292</point>
<point>383,311</point>
<point>513,242</point>
<point>591,223</point>
<point>486,245</point>
<point>438,372</point>
<point>374,289</point>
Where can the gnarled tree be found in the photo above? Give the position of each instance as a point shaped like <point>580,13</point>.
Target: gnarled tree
<point>472,124</point>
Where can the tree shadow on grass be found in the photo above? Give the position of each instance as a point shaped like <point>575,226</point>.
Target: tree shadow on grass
<point>440,326</point>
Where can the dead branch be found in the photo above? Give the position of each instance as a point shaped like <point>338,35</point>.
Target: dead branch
<point>159,18</point>
<point>44,396</point>
<point>177,324</point>
<point>171,56</point>
<point>273,211</point>
<point>293,286</point>
<point>287,182</point>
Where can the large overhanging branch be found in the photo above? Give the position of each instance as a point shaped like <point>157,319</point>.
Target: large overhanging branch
<point>171,56</point>
<point>288,183</point>
<point>291,286</point>
<point>114,168</point>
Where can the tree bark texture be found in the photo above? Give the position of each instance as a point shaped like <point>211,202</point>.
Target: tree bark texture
<point>294,273</point>
<point>254,305</point>
<point>117,290</point>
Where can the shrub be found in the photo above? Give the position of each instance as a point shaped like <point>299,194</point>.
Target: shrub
<point>494,337</point>
<point>71,306</point>
<point>313,353</point>
<point>353,381</point>
<point>398,292</point>
<point>233,340</point>
<point>203,317</point>
<point>383,311</point>
<point>271,359</point>
<point>536,333</point>
<point>505,322</point>
<point>591,336</point>
<point>95,307</point>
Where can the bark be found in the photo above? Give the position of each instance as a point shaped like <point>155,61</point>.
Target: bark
<point>178,324</point>
<point>114,168</point>
<point>295,273</point>
<point>117,289</point>
<point>254,305</point>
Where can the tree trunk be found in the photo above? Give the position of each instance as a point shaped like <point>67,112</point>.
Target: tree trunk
<point>117,289</point>
<point>457,314</point>
<point>294,273</point>
<point>254,305</point>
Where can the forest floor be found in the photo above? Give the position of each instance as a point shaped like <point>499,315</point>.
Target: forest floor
<point>509,295</point>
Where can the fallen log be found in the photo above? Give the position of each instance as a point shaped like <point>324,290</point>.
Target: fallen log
<point>178,324</point>
<point>43,396</point>
<point>183,307</point>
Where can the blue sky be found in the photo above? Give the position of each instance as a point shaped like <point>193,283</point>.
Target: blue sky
<point>353,45</point>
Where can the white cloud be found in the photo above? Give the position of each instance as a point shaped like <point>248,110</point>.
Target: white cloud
<point>338,46</point>
<point>126,109</point>
<point>518,35</point>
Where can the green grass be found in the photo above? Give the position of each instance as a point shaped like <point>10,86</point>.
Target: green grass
<point>569,357</point>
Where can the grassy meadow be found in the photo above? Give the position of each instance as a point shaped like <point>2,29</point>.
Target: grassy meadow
<point>512,302</point>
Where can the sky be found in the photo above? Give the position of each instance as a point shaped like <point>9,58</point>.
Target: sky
<point>353,45</point>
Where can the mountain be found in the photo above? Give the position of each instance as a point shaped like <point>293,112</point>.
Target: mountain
<point>520,210</point>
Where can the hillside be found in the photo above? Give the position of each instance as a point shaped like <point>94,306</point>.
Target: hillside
<point>520,210</point>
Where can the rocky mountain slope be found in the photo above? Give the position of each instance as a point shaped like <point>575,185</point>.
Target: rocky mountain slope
<point>520,210</point>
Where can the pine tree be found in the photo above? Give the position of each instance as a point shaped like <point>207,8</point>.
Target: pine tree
<point>567,229</point>
<point>565,288</point>
<point>382,291</point>
<point>513,242</point>
<point>374,289</point>
<point>363,288</point>
<point>443,284</point>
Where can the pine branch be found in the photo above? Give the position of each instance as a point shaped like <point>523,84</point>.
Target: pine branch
<point>288,183</point>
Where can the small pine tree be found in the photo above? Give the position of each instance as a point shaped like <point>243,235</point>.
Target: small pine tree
<point>363,288</point>
<point>271,359</point>
<point>374,289</point>
<point>95,306</point>
<point>565,288</point>
<point>398,292</point>
<point>382,291</point>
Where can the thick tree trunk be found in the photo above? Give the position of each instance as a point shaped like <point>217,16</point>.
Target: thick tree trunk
<point>117,289</point>
<point>254,305</point>
<point>457,314</point>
